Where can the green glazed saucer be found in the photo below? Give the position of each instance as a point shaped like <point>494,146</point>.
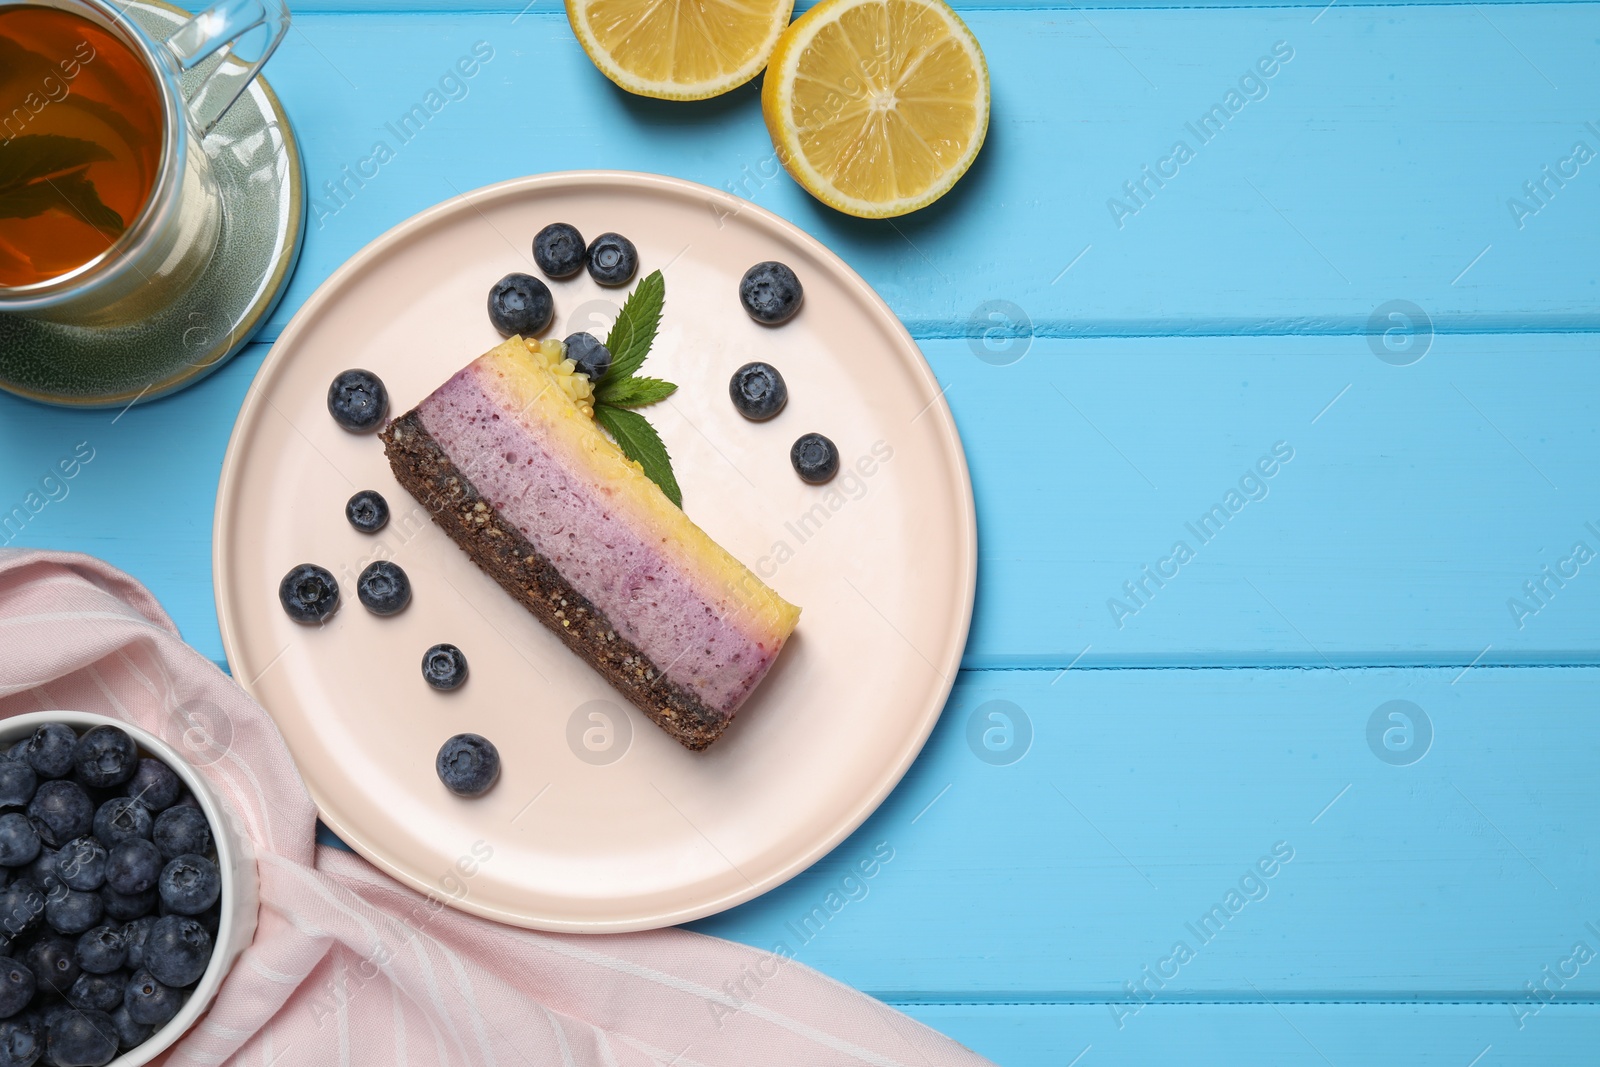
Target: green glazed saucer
<point>257,165</point>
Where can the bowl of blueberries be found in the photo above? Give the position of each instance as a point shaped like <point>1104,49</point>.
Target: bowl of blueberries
<point>126,893</point>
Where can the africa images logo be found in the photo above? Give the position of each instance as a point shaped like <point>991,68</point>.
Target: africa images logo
<point>1252,86</point>
<point>451,86</point>
<point>1252,486</point>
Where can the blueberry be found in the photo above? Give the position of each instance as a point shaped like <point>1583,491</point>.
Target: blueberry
<point>612,259</point>
<point>61,811</point>
<point>177,951</point>
<point>520,304</point>
<point>81,864</point>
<point>53,962</point>
<point>308,593</point>
<point>103,949</point>
<point>121,818</point>
<point>190,884</point>
<point>136,934</point>
<point>815,458</point>
<point>83,1038</point>
<point>180,830</point>
<point>19,841</point>
<point>125,907</point>
<point>155,785</point>
<point>17,782</point>
<point>16,987</point>
<point>105,757</point>
<point>468,765</point>
<point>358,401</point>
<point>97,992</point>
<point>133,866</point>
<point>130,1034</point>
<point>21,907</point>
<point>770,292</point>
<point>42,871</point>
<point>19,1044</point>
<point>19,749</point>
<point>68,911</point>
<point>211,918</point>
<point>444,667</point>
<point>367,511</point>
<point>50,750</point>
<point>383,588</point>
<point>758,391</point>
<point>591,357</point>
<point>149,1001</point>
<point>559,250</point>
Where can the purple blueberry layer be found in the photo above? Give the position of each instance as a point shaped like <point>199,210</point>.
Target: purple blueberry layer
<point>686,626</point>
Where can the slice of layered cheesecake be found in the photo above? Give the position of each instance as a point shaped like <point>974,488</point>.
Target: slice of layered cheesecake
<point>508,459</point>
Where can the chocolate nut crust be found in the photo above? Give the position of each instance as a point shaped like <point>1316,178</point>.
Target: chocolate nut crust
<point>505,555</point>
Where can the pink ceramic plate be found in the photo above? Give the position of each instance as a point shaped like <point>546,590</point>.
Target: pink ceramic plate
<point>600,821</point>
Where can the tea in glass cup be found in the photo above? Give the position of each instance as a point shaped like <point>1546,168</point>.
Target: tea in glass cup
<point>80,141</point>
<point>108,205</point>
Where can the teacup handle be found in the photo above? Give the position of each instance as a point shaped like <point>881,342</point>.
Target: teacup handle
<point>218,30</point>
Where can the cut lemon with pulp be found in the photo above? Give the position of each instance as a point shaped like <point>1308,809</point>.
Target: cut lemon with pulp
<point>877,107</point>
<point>679,49</point>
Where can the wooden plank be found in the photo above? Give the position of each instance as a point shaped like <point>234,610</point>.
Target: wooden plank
<point>1290,1035</point>
<point>1419,501</point>
<point>522,9</point>
<point>1314,206</point>
<point>1145,798</point>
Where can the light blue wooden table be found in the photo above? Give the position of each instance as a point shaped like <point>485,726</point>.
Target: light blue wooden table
<point>1434,895</point>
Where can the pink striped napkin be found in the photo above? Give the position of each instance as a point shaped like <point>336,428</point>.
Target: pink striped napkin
<point>349,967</point>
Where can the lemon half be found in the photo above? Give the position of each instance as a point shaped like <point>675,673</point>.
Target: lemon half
<point>679,49</point>
<point>877,107</point>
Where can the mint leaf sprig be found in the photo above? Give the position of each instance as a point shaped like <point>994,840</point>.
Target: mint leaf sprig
<point>43,172</point>
<point>622,388</point>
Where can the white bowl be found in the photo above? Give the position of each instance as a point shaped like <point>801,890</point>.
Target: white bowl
<point>235,860</point>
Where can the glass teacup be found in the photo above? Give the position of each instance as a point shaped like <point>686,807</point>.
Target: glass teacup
<point>155,247</point>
